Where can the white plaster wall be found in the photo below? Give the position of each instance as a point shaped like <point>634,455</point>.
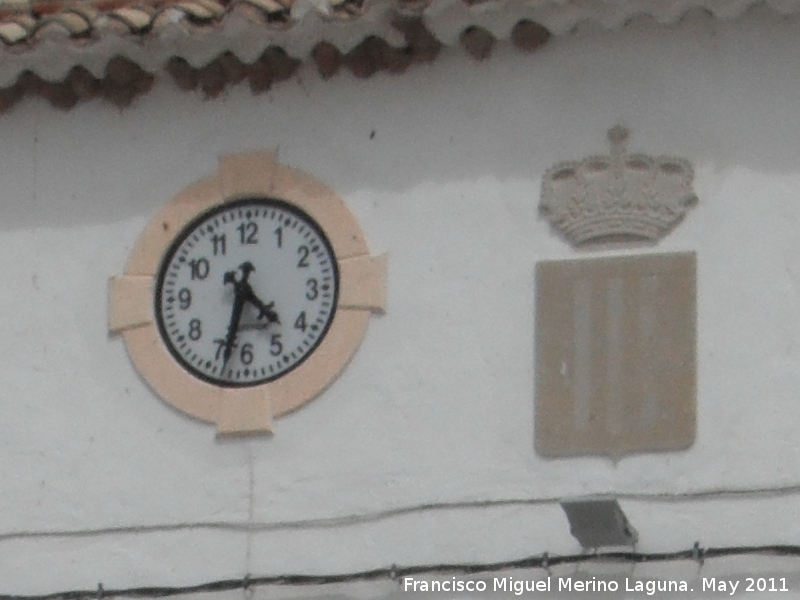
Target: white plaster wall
<point>101,481</point>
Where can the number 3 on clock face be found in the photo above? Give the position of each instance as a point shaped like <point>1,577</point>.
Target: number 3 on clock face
<point>246,292</point>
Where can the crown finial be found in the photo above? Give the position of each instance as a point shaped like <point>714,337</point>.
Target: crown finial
<point>619,197</point>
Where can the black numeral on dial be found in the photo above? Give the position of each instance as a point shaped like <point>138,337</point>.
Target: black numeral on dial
<point>275,345</point>
<point>303,251</point>
<point>200,268</point>
<point>195,329</point>
<point>311,289</point>
<point>218,241</point>
<point>184,298</point>
<point>247,233</point>
<point>246,354</point>
<point>300,322</point>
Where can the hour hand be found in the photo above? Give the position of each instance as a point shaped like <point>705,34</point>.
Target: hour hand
<point>265,311</point>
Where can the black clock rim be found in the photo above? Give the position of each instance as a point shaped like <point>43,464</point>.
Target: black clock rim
<point>187,231</point>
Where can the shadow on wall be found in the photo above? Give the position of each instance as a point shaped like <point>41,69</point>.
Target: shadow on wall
<point>719,93</point>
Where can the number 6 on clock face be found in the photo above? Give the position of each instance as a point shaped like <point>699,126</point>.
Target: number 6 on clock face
<point>246,292</point>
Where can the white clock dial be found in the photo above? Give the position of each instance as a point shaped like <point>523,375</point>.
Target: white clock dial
<point>246,292</point>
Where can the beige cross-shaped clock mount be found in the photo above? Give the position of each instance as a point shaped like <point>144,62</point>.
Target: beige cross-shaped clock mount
<point>247,295</point>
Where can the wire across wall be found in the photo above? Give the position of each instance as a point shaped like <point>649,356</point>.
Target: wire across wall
<point>397,573</point>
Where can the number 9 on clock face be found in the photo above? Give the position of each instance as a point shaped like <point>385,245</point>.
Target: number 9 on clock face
<point>246,292</point>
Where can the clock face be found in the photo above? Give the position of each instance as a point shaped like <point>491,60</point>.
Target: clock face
<point>246,292</point>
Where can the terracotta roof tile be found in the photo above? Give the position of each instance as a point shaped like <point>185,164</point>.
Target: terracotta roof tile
<point>12,32</point>
<point>75,23</point>
<point>268,6</point>
<point>67,43</point>
<point>137,19</point>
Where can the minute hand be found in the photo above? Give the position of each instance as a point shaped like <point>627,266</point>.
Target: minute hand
<point>233,326</point>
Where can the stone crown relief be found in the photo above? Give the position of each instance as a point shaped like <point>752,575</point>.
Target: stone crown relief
<point>619,197</point>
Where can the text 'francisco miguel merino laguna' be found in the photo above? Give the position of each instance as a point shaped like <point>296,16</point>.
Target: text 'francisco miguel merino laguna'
<point>562,584</point>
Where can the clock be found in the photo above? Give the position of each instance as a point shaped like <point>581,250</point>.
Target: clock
<point>246,292</point>
<point>247,295</point>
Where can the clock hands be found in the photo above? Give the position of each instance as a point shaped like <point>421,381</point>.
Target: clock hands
<point>243,286</point>
<point>236,315</point>
<point>243,292</point>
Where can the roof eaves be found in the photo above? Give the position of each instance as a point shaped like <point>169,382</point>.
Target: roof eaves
<point>47,43</point>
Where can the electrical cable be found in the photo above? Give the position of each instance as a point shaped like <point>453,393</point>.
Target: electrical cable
<point>379,515</point>
<point>395,572</point>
